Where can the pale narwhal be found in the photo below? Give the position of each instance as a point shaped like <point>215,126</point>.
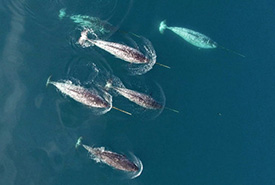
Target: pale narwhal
<point>113,159</point>
<point>195,38</point>
<point>85,96</point>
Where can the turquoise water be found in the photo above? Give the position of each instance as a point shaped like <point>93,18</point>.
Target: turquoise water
<point>224,133</point>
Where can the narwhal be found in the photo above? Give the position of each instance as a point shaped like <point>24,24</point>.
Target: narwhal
<point>120,51</point>
<point>140,99</point>
<point>86,21</point>
<point>115,160</point>
<point>85,96</point>
<point>195,38</point>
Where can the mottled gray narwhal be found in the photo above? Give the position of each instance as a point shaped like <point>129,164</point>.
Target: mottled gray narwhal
<point>115,160</point>
<point>140,99</point>
<point>121,51</point>
<point>85,96</point>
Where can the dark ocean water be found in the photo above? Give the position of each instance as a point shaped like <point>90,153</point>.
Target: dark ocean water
<point>224,133</point>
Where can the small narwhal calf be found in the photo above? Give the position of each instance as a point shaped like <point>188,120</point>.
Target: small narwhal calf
<point>115,160</point>
<point>85,96</point>
<point>140,99</point>
<point>195,38</point>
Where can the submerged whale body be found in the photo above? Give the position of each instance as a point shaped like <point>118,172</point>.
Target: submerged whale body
<point>115,160</point>
<point>81,94</point>
<point>195,38</point>
<point>85,21</point>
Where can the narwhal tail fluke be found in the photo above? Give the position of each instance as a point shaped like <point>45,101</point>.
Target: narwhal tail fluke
<point>174,110</point>
<point>79,142</point>
<point>162,26</point>
<point>48,80</point>
<point>108,84</point>
<point>231,51</point>
<point>62,13</point>
<point>84,41</point>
